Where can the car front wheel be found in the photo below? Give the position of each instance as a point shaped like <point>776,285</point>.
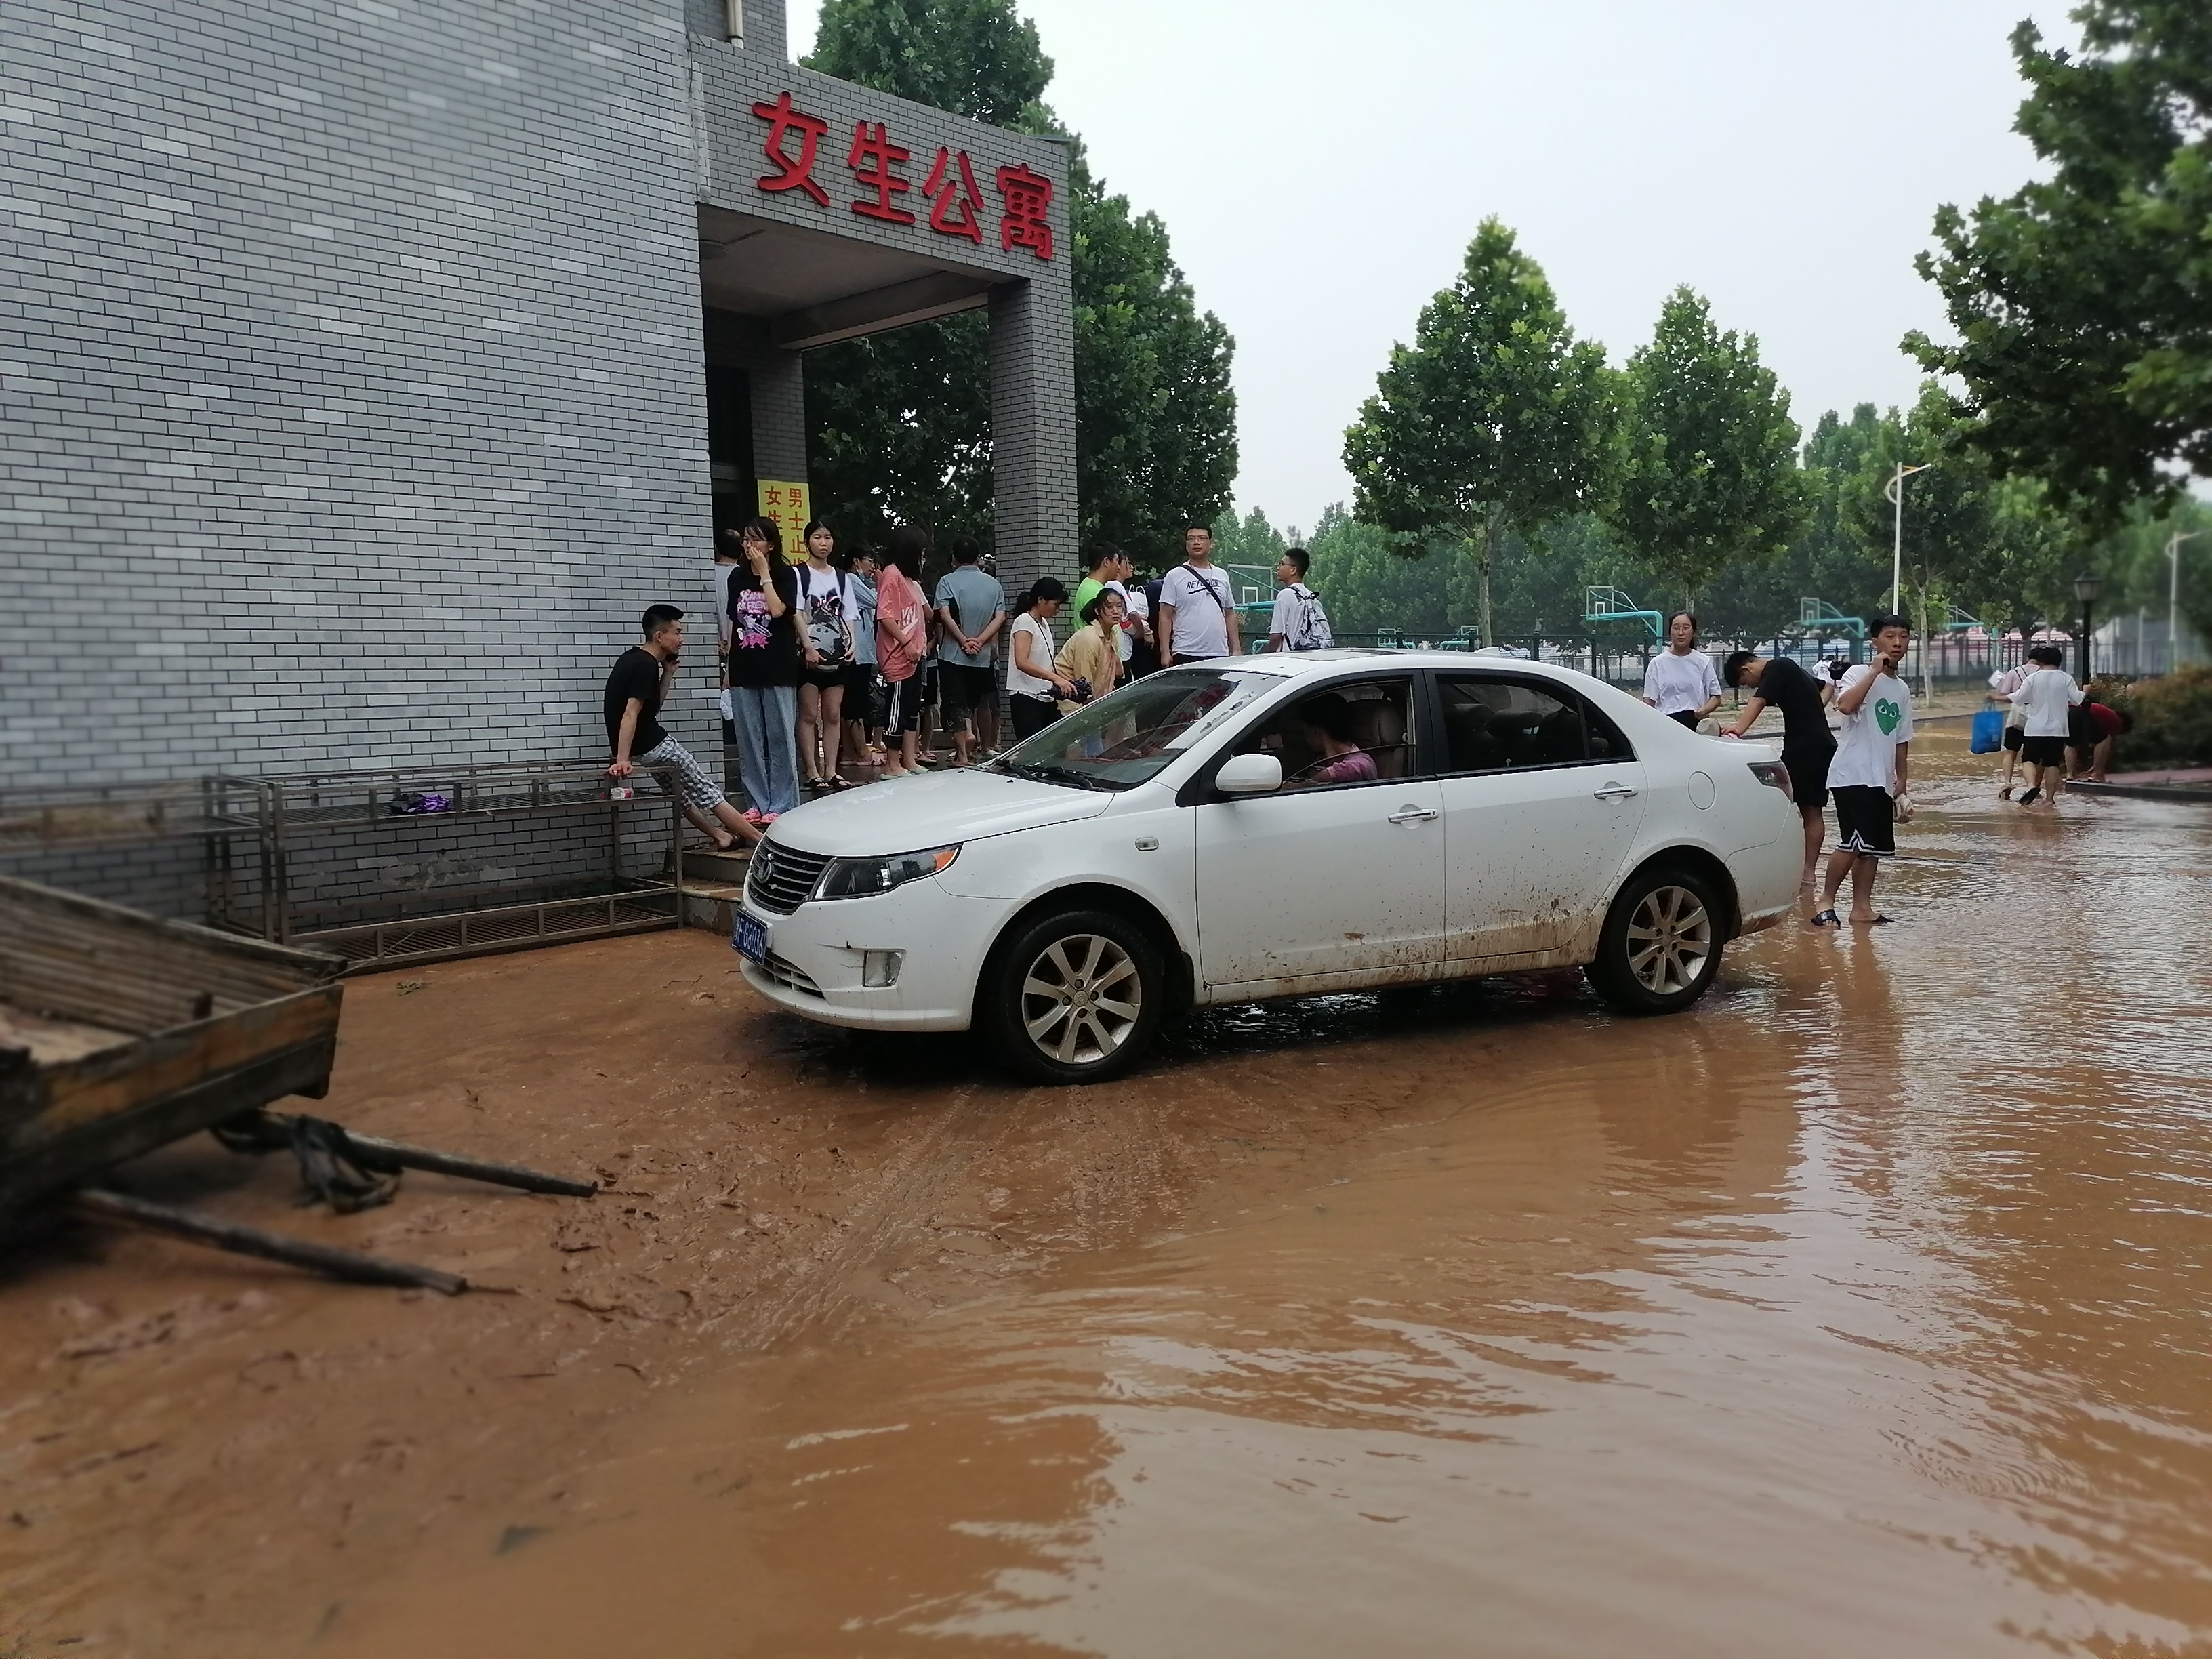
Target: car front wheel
<point>1661,943</point>
<point>1075,997</point>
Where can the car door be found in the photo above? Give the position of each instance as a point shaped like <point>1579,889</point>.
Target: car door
<point>1542,799</point>
<point>1343,880</point>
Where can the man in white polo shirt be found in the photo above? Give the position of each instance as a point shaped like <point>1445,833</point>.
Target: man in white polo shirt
<point>1196,622</point>
<point>1681,682</point>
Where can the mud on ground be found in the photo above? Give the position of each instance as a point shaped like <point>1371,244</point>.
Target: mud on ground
<point>196,1450</point>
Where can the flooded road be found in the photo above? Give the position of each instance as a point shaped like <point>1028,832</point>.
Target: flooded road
<point>1862,1311</point>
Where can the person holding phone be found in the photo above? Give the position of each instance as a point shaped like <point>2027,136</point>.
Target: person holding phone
<point>1870,773</point>
<point>636,690</point>
<point>763,670</point>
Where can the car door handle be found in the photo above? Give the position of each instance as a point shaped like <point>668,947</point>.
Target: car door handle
<point>1413,815</point>
<point>1612,792</point>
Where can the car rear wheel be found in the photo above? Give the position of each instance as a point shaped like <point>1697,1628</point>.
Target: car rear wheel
<point>1075,997</point>
<point>1661,943</point>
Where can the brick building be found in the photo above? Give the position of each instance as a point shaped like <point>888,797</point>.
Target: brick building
<point>370,365</point>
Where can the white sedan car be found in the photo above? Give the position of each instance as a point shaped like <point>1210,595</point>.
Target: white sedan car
<point>1275,826</point>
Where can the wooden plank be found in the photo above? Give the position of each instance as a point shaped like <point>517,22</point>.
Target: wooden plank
<point>116,1081</point>
<point>72,957</point>
<point>65,1159</point>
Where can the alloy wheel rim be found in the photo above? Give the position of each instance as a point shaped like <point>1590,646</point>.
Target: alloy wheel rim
<point>1080,999</point>
<point>1670,938</point>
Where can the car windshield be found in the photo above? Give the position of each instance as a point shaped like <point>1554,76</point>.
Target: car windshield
<point>1130,735</point>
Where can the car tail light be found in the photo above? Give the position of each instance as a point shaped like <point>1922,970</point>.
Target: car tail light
<point>1773,773</point>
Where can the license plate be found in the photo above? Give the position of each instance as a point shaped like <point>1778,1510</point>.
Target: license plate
<point>752,938</point>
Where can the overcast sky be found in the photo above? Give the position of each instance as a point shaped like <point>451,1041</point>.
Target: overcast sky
<point>1321,166</point>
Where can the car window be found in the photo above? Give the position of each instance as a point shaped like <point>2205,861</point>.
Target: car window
<point>1346,734</point>
<point>1125,737</point>
<point>1495,723</point>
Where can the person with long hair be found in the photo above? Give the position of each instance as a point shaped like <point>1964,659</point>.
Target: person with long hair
<point>826,607</point>
<point>902,640</point>
<point>1032,682</point>
<point>1093,656</point>
<point>764,670</point>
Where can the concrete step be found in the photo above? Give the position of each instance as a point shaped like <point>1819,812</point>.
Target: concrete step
<point>712,905</point>
<point>704,865</point>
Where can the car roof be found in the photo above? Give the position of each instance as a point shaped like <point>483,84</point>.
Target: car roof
<point>1304,664</point>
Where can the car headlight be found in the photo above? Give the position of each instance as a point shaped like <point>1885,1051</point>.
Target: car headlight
<point>859,878</point>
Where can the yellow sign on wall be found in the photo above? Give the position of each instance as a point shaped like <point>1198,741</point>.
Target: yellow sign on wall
<point>786,504</point>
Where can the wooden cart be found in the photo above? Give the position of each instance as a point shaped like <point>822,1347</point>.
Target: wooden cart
<point>121,1033</point>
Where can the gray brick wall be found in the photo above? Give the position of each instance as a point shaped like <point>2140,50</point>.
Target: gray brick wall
<point>353,406</point>
<point>351,362</point>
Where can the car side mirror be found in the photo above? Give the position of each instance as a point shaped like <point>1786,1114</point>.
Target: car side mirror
<point>1250,775</point>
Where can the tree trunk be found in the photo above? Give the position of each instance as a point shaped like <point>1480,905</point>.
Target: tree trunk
<point>1485,549</point>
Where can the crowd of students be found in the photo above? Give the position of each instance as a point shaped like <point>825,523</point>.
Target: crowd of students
<point>843,661</point>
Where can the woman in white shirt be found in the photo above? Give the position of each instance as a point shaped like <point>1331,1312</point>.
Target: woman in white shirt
<point>1681,682</point>
<point>1032,682</point>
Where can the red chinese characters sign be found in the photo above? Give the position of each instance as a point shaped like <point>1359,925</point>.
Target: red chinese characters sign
<point>878,165</point>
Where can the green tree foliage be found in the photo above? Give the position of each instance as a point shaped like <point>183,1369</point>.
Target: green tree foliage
<point>1709,476</point>
<point>901,420</point>
<point>1155,416</point>
<point>1948,509</point>
<point>1250,541</point>
<point>2083,303</point>
<point>979,57</point>
<point>1372,582</point>
<point>1496,421</point>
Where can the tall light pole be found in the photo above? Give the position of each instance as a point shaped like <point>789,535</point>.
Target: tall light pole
<point>2174,594</point>
<point>1893,492</point>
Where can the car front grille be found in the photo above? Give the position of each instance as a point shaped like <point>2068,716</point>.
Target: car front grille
<point>790,976</point>
<point>781,877</point>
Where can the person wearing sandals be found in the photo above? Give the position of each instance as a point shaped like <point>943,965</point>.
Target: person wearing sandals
<point>825,643</point>
<point>764,670</point>
<point>635,692</point>
<point>1868,775</point>
<point>863,725</point>
<point>902,640</point>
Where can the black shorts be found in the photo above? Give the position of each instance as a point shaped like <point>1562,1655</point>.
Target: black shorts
<point>1808,776</point>
<point>2043,751</point>
<point>1032,714</point>
<point>2012,737</point>
<point>902,706</point>
<point>859,677</point>
<point>1688,717</point>
<point>2082,731</point>
<point>823,679</point>
<point>964,690</point>
<point>1866,819</point>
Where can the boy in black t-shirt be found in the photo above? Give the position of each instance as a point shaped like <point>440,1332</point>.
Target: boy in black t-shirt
<point>1808,745</point>
<point>631,704</point>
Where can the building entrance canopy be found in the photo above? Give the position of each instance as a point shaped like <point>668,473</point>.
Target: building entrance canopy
<point>829,211</point>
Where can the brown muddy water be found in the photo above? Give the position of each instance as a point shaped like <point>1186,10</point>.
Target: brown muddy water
<point>1862,1311</point>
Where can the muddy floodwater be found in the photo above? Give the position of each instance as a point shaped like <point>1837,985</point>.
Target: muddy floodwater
<point>1862,1311</point>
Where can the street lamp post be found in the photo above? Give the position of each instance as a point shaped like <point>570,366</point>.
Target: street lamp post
<point>2174,594</point>
<point>1893,492</point>
<point>2087,586</point>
